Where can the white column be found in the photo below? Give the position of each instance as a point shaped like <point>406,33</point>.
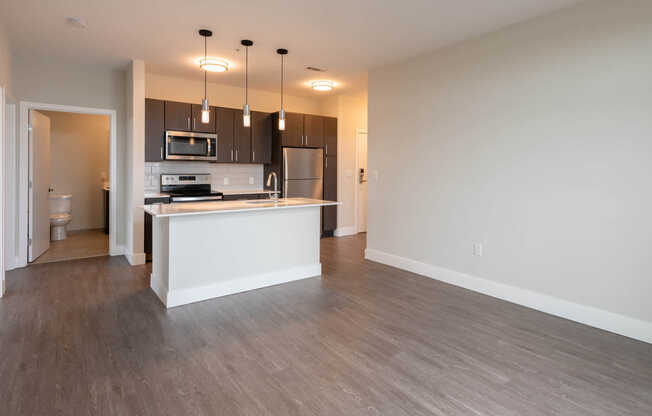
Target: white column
<point>135,252</point>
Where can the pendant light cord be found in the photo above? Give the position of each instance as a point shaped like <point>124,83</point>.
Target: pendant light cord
<point>246,74</point>
<point>205,71</point>
<point>281,82</point>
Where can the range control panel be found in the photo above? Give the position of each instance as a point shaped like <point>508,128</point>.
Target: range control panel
<point>186,179</point>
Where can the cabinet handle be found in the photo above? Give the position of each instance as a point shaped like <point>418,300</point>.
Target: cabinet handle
<point>161,152</point>
<point>231,155</point>
<point>188,122</point>
<point>306,140</point>
<point>194,123</point>
<point>326,149</point>
<point>326,163</point>
<point>236,155</point>
<point>253,155</point>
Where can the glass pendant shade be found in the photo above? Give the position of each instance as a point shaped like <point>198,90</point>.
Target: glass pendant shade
<point>205,112</point>
<point>281,120</point>
<point>246,116</point>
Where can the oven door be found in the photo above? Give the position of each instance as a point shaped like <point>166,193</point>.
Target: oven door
<point>181,145</point>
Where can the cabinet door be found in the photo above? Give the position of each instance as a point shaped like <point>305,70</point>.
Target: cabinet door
<point>313,131</point>
<point>224,118</point>
<point>330,192</point>
<point>196,123</point>
<point>177,116</point>
<point>154,130</point>
<point>293,133</point>
<point>242,139</point>
<point>261,137</point>
<point>330,136</point>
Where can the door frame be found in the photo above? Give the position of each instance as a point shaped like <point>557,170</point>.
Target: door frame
<point>2,190</point>
<point>358,132</point>
<point>23,191</point>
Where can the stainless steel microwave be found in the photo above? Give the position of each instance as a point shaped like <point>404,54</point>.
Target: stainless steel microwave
<point>182,145</point>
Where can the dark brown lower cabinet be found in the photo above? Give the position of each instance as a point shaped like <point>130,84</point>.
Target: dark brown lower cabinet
<point>329,223</point>
<point>148,225</point>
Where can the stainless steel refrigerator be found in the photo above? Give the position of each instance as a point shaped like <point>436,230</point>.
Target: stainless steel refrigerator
<point>303,171</point>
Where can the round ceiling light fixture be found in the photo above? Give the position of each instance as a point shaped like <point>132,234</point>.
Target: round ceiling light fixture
<point>214,65</point>
<point>322,85</point>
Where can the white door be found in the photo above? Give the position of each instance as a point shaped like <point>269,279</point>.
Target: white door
<point>39,176</point>
<point>361,180</point>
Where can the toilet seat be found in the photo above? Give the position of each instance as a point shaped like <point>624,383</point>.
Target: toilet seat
<point>60,219</point>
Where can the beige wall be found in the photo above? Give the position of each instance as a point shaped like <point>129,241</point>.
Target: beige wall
<point>79,161</point>
<point>46,80</point>
<point>535,141</point>
<point>180,89</point>
<point>5,60</point>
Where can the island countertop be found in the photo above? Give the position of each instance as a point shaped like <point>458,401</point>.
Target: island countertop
<point>217,207</point>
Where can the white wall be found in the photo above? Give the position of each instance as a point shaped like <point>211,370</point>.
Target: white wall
<point>190,91</point>
<point>5,89</point>
<point>535,141</point>
<point>5,60</point>
<point>46,80</point>
<point>351,113</point>
<point>73,135</point>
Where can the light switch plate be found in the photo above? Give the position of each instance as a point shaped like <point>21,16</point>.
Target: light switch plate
<point>226,181</point>
<point>477,249</point>
<point>375,172</point>
<point>251,180</point>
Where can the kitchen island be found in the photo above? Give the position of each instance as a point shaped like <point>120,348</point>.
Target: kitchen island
<point>205,250</point>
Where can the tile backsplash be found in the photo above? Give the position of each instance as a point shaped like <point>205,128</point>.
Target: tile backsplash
<point>238,175</point>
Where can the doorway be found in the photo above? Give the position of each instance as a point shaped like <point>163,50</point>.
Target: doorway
<point>69,164</point>
<point>361,176</point>
<point>60,176</point>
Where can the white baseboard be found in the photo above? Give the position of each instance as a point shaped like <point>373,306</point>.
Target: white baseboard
<point>588,315</point>
<point>172,298</point>
<point>117,251</point>
<point>344,231</point>
<point>135,259</point>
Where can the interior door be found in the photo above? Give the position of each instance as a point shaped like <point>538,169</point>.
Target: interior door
<point>39,174</point>
<point>362,181</point>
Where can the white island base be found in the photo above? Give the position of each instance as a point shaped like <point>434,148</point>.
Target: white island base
<point>210,254</point>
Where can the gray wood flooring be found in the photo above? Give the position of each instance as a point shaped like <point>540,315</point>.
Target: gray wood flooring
<point>88,337</point>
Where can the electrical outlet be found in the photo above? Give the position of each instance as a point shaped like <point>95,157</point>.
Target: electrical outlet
<point>477,249</point>
<point>226,180</point>
<point>251,180</point>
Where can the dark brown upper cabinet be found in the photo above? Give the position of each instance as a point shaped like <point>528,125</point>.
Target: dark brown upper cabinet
<point>313,128</point>
<point>197,125</point>
<point>154,130</point>
<point>261,137</point>
<point>225,118</point>
<point>242,139</point>
<point>293,134</point>
<point>177,116</point>
<point>330,136</point>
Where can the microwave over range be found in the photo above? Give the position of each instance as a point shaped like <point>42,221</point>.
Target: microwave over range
<point>182,145</point>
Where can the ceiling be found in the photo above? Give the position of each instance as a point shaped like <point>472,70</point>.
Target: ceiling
<point>346,37</point>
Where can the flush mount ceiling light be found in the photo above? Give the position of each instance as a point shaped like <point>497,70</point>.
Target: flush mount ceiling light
<point>214,64</point>
<point>281,114</point>
<point>322,85</point>
<point>77,22</point>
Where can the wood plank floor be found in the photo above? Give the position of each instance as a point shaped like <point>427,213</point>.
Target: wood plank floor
<point>88,337</point>
<point>78,245</point>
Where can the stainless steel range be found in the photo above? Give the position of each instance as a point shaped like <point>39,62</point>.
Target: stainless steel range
<point>189,187</point>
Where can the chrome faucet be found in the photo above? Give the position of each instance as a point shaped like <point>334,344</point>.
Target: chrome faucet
<point>269,182</point>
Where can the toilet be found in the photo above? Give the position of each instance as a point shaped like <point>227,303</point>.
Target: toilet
<point>60,215</point>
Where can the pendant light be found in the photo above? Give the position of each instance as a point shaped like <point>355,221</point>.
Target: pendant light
<point>205,111</point>
<point>246,113</point>
<point>281,114</point>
